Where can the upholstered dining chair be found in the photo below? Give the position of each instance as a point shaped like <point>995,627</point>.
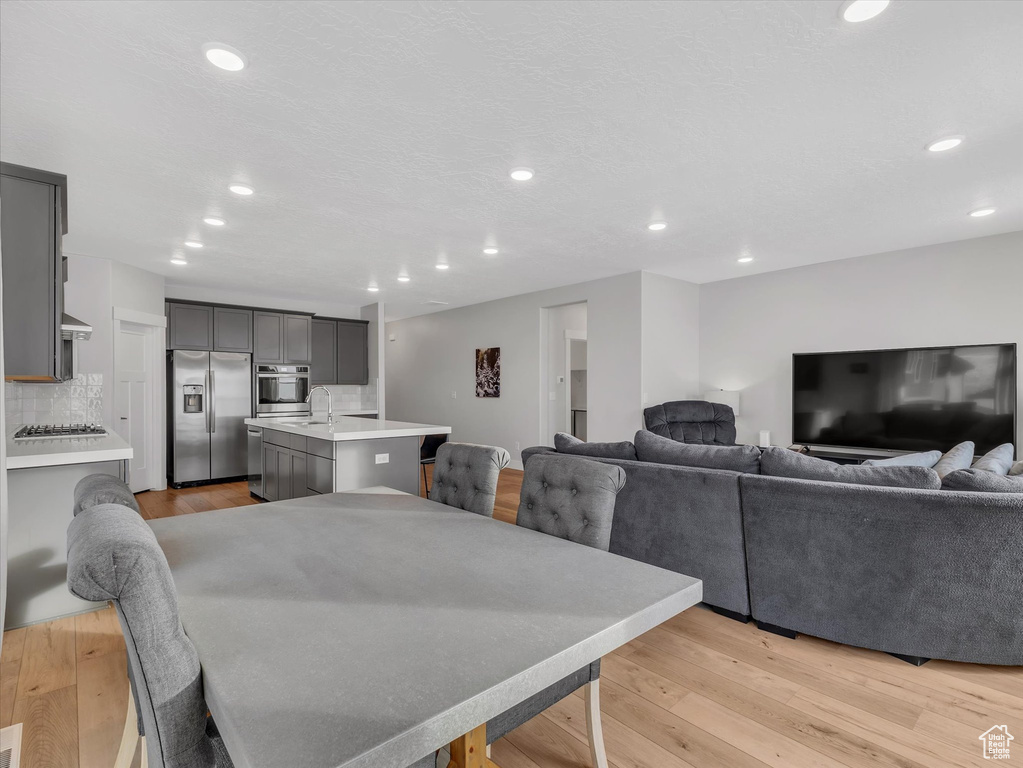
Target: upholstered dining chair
<point>465,476</point>
<point>574,499</point>
<point>692,421</point>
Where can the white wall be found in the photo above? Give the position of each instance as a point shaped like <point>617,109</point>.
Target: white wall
<point>967,292</point>
<point>268,300</point>
<point>671,340</point>
<point>434,355</point>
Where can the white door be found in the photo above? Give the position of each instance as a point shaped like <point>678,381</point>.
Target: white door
<point>133,399</point>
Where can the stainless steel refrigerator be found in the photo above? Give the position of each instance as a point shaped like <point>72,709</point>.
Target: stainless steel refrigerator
<point>210,396</point>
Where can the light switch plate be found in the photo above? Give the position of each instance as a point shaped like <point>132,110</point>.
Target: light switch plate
<point>383,458</point>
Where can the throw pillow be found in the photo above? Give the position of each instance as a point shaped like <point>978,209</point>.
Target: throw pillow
<point>664,450</point>
<point>982,481</point>
<point>960,457</point>
<point>623,451</point>
<point>997,460</point>
<point>928,459</point>
<point>1017,469</point>
<point>780,462</point>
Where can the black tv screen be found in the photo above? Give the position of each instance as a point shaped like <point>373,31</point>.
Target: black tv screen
<point>906,399</point>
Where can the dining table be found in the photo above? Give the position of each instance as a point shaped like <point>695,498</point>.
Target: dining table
<point>369,629</point>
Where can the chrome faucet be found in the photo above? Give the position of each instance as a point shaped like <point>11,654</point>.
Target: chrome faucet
<point>330,407</point>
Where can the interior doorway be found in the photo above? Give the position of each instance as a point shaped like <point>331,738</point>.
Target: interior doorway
<point>138,391</point>
<point>565,384</point>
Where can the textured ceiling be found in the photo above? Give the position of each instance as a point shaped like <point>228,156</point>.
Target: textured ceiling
<point>379,136</point>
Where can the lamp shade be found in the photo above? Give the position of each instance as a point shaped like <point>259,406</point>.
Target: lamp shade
<point>725,397</point>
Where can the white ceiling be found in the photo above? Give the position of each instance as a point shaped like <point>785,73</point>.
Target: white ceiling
<point>379,136</point>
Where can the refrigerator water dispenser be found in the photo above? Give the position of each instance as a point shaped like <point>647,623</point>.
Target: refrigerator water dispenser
<point>193,398</point>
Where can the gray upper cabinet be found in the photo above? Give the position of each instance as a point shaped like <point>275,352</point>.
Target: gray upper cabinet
<point>232,329</point>
<point>323,367</point>
<point>189,326</point>
<point>298,338</point>
<point>352,352</point>
<point>34,219</point>
<point>268,337</point>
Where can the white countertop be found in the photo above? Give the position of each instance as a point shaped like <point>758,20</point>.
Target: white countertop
<point>350,428</point>
<point>25,454</point>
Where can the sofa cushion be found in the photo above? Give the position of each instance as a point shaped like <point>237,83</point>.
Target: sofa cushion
<point>960,457</point>
<point>662,450</point>
<point>781,462</point>
<point>1017,469</point>
<point>997,460</point>
<point>623,451</point>
<point>981,480</point>
<point>928,459</point>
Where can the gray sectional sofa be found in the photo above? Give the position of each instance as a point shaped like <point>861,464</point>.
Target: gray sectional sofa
<point>913,572</point>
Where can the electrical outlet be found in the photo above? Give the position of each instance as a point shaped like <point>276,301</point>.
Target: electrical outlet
<point>552,396</point>
<point>561,379</point>
<point>454,395</point>
<point>383,458</point>
<point>518,446</point>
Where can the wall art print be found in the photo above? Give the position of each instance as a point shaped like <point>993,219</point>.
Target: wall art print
<point>488,372</point>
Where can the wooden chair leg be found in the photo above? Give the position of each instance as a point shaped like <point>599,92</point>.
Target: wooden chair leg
<point>593,724</point>
<point>129,738</point>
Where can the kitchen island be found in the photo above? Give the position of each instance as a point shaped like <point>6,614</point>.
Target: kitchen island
<point>302,457</point>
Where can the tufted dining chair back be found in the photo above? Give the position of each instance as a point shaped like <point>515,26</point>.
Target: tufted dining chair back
<point>465,476</point>
<point>571,498</point>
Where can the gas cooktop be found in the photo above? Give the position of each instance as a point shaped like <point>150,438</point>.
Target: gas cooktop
<point>52,431</point>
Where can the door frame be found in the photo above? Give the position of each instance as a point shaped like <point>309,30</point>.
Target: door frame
<point>571,336</point>
<point>156,367</point>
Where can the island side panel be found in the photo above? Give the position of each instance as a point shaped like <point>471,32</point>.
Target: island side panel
<point>41,508</point>
<point>390,461</point>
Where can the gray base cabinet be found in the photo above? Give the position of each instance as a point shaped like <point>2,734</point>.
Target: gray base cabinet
<point>295,466</point>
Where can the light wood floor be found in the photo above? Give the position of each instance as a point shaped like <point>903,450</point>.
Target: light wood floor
<point>699,691</point>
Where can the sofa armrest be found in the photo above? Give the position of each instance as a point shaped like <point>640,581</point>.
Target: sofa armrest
<point>937,574</point>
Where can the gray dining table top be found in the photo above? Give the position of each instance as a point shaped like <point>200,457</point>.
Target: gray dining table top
<point>363,630</point>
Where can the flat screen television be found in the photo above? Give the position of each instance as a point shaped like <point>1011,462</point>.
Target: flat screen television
<point>906,399</point>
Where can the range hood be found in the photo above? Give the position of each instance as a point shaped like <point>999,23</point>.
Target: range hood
<point>73,328</point>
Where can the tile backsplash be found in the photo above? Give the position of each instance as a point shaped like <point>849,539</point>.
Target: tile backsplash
<point>353,397</point>
<point>77,401</point>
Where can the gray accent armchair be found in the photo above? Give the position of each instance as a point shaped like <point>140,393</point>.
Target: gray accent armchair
<point>692,421</point>
<point>465,476</point>
<point>573,499</point>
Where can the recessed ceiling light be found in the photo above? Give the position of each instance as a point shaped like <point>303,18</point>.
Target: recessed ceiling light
<point>193,244</point>
<point>945,144</point>
<point>240,189</point>
<point>179,262</point>
<point>657,226</point>
<point>224,56</point>
<point>372,289</point>
<point>522,174</point>
<point>442,266</point>
<point>982,212</point>
<point>403,278</point>
<point>745,259</point>
<point>862,10</point>
<point>490,251</point>
<point>213,221</point>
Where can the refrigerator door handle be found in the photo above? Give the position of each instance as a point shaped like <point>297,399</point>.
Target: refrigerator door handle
<point>213,401</point>
<point>206,376</point>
